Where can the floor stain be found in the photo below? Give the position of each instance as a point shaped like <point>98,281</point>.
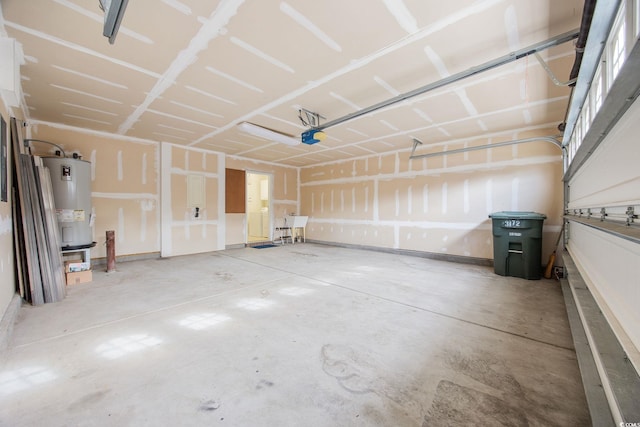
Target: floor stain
<point>485,369</point>
<point>305,254</point>
<point>224,275</point>
<point>346,366</point>
<point>360,373</point>
<point>88,399</point>
<point>454,404</point>
<point>515,401</point>
<point>209,406</point>
<point>264,383</point>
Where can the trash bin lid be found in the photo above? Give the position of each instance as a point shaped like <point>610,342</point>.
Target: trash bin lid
<point>517,215</point>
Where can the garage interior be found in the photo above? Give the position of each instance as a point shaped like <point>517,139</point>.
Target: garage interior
<point>395,128</point>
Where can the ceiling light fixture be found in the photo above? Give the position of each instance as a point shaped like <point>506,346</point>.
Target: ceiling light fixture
<point>268,134</point>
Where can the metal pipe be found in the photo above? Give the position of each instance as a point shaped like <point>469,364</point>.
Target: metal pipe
<point>417,142</point>
<point>46,142</point>
<point>513,56</point>
<point>581,42</point>
<point>599,31</point>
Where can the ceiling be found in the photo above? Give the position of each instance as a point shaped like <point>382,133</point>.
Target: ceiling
<point>188,71</point>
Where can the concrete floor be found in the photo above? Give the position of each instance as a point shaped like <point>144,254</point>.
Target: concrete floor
<point>298,335</point>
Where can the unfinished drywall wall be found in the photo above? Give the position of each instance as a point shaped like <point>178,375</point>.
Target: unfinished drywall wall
<point>7,277</point>
<point>193,217</point>
<point>439,204</point>
<point>124,185</point>
<point>285,195</point>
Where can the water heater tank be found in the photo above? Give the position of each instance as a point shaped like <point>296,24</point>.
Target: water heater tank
<point>71,182</point>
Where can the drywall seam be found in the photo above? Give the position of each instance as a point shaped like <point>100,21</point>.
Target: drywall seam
<point>92,159</point>
<point>180,171</point>
<point>91,77</point>
<point>99,133</point>
<point>79,48</point>
<point>188,223</point>
<point>353,200</point>
<point>309,26</point>
<point>397,200</point>
<point>254,161</point>
<point>376,191</point>
<point>366,199</point>
<point>184,119</point>
<point>143,173</point>
<point>233,79</point>
<point>298,194</point>
<point>285,202</point>
<point>222,218</point>
<point>123,196</point>
<point>166,217</point>
<point>196,149</point>
<point>261,54</point>
<point>358,63</point>
<point>210,30</point>
<point>119,161</point>
<point>91,95</point>
<point>440,171</point>
<point>158,178</point>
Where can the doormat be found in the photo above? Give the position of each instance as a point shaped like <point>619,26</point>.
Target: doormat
<point>264,246</point>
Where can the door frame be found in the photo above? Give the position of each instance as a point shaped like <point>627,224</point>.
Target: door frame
<point>270,178</point>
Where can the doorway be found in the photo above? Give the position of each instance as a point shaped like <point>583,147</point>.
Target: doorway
<point>258,207</point>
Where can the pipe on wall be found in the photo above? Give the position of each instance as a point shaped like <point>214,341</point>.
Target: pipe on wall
<point>581,42</point>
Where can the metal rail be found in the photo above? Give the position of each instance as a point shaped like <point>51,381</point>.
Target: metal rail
<point>552,76</point>
<point>511,57</point>
<point>417,142</point>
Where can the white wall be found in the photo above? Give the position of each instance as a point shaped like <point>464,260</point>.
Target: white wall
<point>183,231</point>
<point>439,204</point>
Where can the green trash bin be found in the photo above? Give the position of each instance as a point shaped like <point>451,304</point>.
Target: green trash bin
<point>517,244</point>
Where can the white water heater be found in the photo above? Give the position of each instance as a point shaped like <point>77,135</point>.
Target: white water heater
<point>71,182</point>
